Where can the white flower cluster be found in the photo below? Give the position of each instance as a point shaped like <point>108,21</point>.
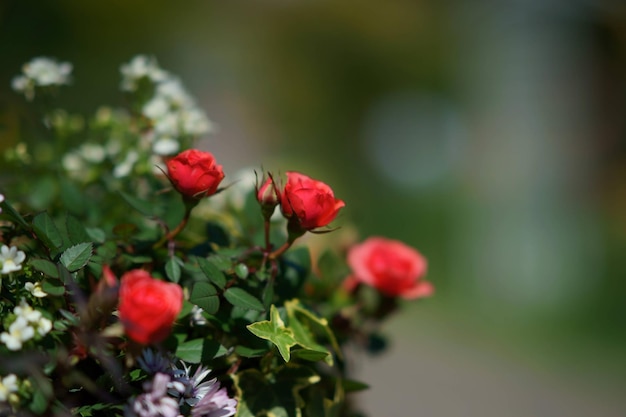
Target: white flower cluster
<point>172,111</point>
<point>41,72</point>
<point>11,259</point>
<point>28,322</point>
<point>8,386</point>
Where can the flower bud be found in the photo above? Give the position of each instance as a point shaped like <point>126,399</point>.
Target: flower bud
<point>268,197</point>
<point>195,174</point>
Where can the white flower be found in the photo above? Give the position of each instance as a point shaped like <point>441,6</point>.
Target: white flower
<point>165,146</point>
<point>168,125</point>
<point>27,312</point>
<point>72,162</point>
<point>35,289</point>
<point>125,167</point>
<point>45,71</point>
<point>156,108</point>
<point>1,200</point>
<point>19,332</point>
<point>44,325</point>
<point>8,385</point>
<point>195,122</point>
<point>92,153</point>
<point>41,72</point>
<point>11,259</point>
<point>174,92</point>
<point>139,67</point>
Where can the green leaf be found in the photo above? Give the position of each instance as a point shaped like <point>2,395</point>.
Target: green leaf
<point>275,331</point>
<point>45,266</point>
<point>146,207</point>
<point>172,269</point>
<point>350,385</point>
<point>204,295</point>
<point>76,231</point>
<point>223,263</point>
<point>310,355</point>
<point>331,267</point>
<point>77,256</point>
<point>13,215</point>
<point>241,298</point>
<point>303,323</point>
<point>96,235</point>
<point>279,397</point>
<point>248,352</point>
<point>200,350</point>
<point>47,231</point>
<point>53,288</point>
<point>241,270</point>
<point>211,270</point>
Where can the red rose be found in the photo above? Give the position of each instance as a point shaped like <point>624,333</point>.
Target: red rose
<point>311,202</point>
<point>194,173</point>
<point>390,266</point>
<point>148,307</point>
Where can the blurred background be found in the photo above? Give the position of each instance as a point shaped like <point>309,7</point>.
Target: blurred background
<point>489,135</point>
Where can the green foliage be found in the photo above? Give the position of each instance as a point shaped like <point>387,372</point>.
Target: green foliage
<point>89,207</point>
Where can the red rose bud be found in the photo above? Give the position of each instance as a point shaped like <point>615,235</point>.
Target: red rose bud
<point>268,197</point>
<point>194,173</point>
<point>308,202</point>
<point>390,266</point>
<point>148,307</point>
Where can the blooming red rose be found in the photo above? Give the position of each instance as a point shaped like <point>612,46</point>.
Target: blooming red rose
<point>148,307</point>
<point>390,266</point>
<point>195,173</point>
<point>311,202</point>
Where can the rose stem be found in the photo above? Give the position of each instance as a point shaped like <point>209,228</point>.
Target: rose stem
<point>174,232</point>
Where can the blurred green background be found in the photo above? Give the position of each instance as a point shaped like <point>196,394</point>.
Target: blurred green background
<point>489,135</point>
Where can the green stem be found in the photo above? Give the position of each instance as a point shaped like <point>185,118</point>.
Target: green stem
<point>174,232</point>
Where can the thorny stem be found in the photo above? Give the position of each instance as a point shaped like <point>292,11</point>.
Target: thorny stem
<point>272,256</point>
<point>174,232</point>
<point>266,226</point>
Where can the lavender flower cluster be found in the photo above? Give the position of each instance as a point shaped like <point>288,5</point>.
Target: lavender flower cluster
<point>172,390</point>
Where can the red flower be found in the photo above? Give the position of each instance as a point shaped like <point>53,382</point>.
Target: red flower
<point>390,266</point>
<point>148,307</point>
<point>311,202</point>
<point>268,195</point>
<point>195,173</point>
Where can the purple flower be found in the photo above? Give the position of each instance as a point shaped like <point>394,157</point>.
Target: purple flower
<point>215,403</point>
<point>153,362</point>
<point>154,402</point>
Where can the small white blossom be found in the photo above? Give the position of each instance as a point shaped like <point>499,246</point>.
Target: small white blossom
<point>41,72</point>
<point>197,319</point>
<point>11,259</point>
<point>19,332</point>
<point>139,67</point>
<point>124,168</point>
<point>1,200</point>
<point>44,326</point>
<point>92,153</point>
<point>26,311</point>
<point>8,385</point>
<point>72,162</point>
<point>165,146</point>
<point>195,122</point>
<point>35,289</point>
<point>156,108</point>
